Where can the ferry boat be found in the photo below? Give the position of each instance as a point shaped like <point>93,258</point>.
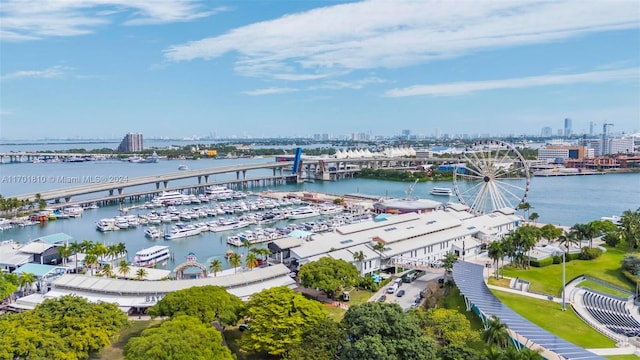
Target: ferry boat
<point>440,191</point>
<point>303,213</point>
<point>181,230</point>
<point>149,257</point>
<point>153,232</point>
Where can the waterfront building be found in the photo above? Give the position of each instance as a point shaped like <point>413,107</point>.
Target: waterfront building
<point>553,153</point>
<point>131,143</point>
<point>410,240</point>
<point>616,146</point>
<point>546,132</point>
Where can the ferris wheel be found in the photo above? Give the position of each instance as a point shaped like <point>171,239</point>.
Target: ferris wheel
<point>491,175</point>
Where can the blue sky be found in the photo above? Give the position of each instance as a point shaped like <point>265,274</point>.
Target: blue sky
<point>177,68</point>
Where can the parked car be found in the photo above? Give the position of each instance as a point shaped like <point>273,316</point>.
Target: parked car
<point>400,293</point>
<point>244,327</point>
<point>382,298</point>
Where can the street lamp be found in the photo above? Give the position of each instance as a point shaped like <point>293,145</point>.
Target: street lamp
<point>563,281</point>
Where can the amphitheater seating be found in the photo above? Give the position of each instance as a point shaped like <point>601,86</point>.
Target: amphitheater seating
<point>612,313</point>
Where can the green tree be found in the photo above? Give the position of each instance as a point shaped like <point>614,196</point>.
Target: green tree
<point>107,270</point>
<point>496,333</point>
<point>235,260</point>
<point>448,327</point>
<point>550,232</point>
<point>207,303</point>
<point>534,217</point>
<point>182,338</point>
<point>26,281</point>
<point>495,253</point>
<point>279,316</point>
<point>379,247</point>
<point>215,266</point>
<point>251,261</point>
<point>141,274</point>
<point>329,275</point>
<point>568,238</point>
<point>90,261</point>
<point>458,353</point>
<point>321,341</point>
<point>630,228</point>
<point>525,207</point>
<point>65,251</point>
<point>359,257</point>
<point>123,268</point>
<point>448,261</point>
<point>8,285</point>
<point>383,331</point>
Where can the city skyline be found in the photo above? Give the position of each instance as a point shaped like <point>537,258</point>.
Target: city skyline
<point>287,69</point>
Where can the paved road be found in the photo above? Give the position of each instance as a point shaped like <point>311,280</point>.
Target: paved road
<point>411,290</point>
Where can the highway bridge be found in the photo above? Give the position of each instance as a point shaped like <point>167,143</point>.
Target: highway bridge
<point>114,188</point>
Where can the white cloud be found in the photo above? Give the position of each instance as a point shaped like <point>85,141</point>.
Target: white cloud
<point>379,33</point>
<point>466,87</point>
<point>356,84</point>
<point>36,19</point>
<point>52,72</point>
<point>269,91</point>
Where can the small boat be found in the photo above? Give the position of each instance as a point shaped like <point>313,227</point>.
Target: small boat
<point>149,257</point>
<point>183,167</point>
<point>440,191</point>
<point>153,232</point>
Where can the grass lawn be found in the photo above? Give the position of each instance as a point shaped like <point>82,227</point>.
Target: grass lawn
<point>602,288</point>
<point>622,357</point>
<point>549,316</point>
<point>548,280</point>
<point>499,282</point>
<point>115,351</point>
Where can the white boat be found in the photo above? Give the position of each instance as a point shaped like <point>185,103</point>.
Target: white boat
<point>330,209</point>
<point>183,167</point>
<point>105,225</point>
<point>153,232</point>
<point>440,191</point>
<point>303,213</point>
<point>614,219</point>
<point>228,224</point>
<point>167,197</point>
<point>151,256</point>
<point>181,230</point>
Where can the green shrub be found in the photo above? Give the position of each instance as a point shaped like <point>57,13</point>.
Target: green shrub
<point>557,259</point>
<point>589,253</point>
<point>544,262</point>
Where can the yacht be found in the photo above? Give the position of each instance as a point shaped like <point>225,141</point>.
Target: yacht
<point>153,232</point>
<point>329,209</point>
<point>167,197</point>
<point>182,230</point>
<point>151,256</point>
<point>303,213</point>
<point>439,191</point>
<point>183,167</point>
<point>228,224</point>
<point>105,225</point>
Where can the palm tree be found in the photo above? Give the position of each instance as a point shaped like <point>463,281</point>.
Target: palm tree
<point>496,253</point>
<point>123,268</point>
<point>525,206</point>
<point>100,250</point>
<point>630,227</point>
<point>251,261</point>
<point>528,354</point>
<point>580,232</point>
<point>534,216</point>
<point>359,256</point>
<point>379,247</point>
<point>65,251</point>
<point>76,248</point>
<point>215,266</point>
<point>91,260</point>
<point>496,333</point>
<point>568,238</point>
<point>122,248</point>
<point>235,260</point>
<point>107,270</point>
<point>260,252</point>
<point>141,274</point>
<point>26,281</point>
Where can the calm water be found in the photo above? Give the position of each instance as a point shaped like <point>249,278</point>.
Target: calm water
<point>560,200</point>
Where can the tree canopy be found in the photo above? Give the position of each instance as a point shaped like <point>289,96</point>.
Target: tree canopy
<point>320,341</point>
<point>383,331</point>
<point>329,275</point>
<point>66,328</point>
<point>448,327</point>
<point>182,338</point>
<point>207,303</point>
<point>279,316</point>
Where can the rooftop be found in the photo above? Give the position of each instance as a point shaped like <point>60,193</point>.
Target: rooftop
<point>59,238</point>
<point>39,270</point>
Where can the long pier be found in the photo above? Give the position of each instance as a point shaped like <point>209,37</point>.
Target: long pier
<point>317,169</point>
<point>31,156</point>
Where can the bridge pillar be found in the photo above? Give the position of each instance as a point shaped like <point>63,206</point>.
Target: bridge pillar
<point>199,179</point>
<point>111,192</point>
<point>274,171</point>
<point>206,179</point>
<point>244,174</point>
<point>166,183</point>
<point>67,199</point>
<point>237,175</point>
<point>157,186</point>
<point>120,191</point>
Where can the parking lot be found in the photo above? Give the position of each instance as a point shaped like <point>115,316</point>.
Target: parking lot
<point>411,290</point>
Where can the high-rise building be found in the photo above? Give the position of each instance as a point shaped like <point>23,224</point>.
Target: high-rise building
<point>406,134</point>
<point>131,143</point>
<point>591,125</point>
<point>546,132</point>
<point>567,128</point>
